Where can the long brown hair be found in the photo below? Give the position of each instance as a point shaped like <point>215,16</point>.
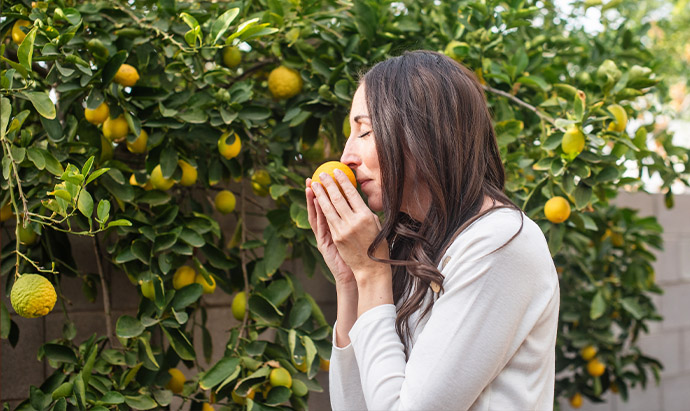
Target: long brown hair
<point>428,109</point>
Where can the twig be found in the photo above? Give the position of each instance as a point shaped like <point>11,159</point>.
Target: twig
<point>522,103</point>
<point>253,69</point>
<point>105,291</point>
<point>150,27</point>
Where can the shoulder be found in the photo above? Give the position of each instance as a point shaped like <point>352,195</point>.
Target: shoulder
<point>503,242</point>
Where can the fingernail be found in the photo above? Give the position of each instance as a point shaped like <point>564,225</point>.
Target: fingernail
<point>322,176</point>
<point>339,172</point>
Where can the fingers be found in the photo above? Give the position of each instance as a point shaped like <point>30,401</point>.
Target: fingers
<point>353,197</point>
<point>324,201</point>
<point>335,196</point>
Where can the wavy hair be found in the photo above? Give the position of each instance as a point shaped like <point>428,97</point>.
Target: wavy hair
<point>429,112</point>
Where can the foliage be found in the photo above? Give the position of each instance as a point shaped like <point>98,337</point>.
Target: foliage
<point>541,78</point>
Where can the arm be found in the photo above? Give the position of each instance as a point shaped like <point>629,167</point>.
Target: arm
<point>489,306</point>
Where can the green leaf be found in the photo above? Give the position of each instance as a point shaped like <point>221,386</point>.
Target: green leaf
<point>112,398</point>
<point>128,327</point>
<point>222,23</point>
<point>186,296</point>
<point>598,306</point>
<point>275,253</point>
<point>59,353</point>
<point>38,399</point>
<point>52,165</point>
<point>25,51</point>
<point>219,372</point>
<point>299,313</point>
<point>179,343</point>
<point>583,195</point>
<point>103,210</point>
<point>192,238</point>
<point>261,306</point>
<point>42,103</point>
<point>6,109</point>
<point>97,174</point>
<point>112,66</point>
<point>64,390</point>
<point>140,402</point>
<point>631,305</point>
<point>278,395</point>
<point>119,223</point>
<point>85,203</point>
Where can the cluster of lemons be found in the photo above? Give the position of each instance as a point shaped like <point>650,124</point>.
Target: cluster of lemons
<point>183,277</point>
<point>595,368</point>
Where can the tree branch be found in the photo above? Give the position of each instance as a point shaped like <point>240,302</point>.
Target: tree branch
<point>105,291</point>
<point>522,103</point>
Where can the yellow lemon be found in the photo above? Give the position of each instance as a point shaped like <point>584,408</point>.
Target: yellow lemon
<point>177,380</point>
<point>138,146</point>
<point>147,289</point>
<point>207,407</point>
<point>126,75</point>
<point>232,56</point>
<point>576,400</point>
<point>184,276</point>
<point>229,150</point>
<point>115,129</point>
<point>595,368</point>
<point>573,141</point>
<point>557,209</point>
<point>284,83</point>
<point>260,181</point>
<point>208,288</point>
<point>280,377</point>
<point>239,306</point>
<point>17,34</point>
<point>32,296</point>
<point>329,168</point>
<point>588,353</point>
<point>243,400</point>
<point>6,212</point>
<point>621,118</point>
<point>158,181</point>
<point>324,365</point>
<point>98,115</point>
<point>225,202</point>
<point>189,173</point>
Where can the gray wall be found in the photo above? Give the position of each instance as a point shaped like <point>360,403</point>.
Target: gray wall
<point>669,340</point>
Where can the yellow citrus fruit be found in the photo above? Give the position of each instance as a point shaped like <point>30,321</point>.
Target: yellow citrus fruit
<point>158,181</point>
<point>573,141</point>
<point>239,306</point>
<point>576,400</point>
<point>225,202</point>
<point>6,212</point>
<point>17,34</point>
<point>557,209</point>
<point>184,276</point>
<point>299,388</point>
<point>115,129</point>
<point>260,181</point>
<point>232,56</point>
<point>243,400</point>
<point>229,150</point>
<point>280,377</point>
<point>32,296</point>
<point>138,146</point>
<point>621,118</point>
<point>284,83</point>
<point>616,238</point>
<point>208,288</point>
<point>207,407</point>
<point>300,363</point>
<point>329,168</point>
<point>27,236</point>
<point>324,365</point>
<point>126,75</point>
<point>588,353</point>
<point>147,289</point>
<point>98,115</point>
<point>595,367</point>
<point>177,380</point>
<point>189,173</point>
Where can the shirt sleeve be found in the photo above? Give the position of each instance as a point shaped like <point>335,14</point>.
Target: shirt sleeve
<point>345,387</point>
<point>490,304</point>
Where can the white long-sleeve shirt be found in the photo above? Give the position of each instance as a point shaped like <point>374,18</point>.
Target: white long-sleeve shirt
<point>488,343</point>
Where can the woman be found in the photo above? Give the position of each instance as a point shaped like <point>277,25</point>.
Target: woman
<point>451,302</point>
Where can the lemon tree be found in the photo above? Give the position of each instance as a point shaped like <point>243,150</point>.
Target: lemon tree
<point>126,121</point>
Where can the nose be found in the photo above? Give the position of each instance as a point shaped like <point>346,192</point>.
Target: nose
<point>350,155</point>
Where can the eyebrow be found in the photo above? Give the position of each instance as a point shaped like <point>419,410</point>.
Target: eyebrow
<point>359,117</point>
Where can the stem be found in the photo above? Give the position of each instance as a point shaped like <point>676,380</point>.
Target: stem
<point>243,259</point>
<point>253,69</point>
<point>522,103</point>
<point>105,291</point>
<point>159,32</point>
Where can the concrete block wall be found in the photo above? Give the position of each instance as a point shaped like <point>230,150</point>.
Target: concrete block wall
<point>669,340</point>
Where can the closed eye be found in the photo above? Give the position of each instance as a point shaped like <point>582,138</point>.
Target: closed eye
<point>365,134</point>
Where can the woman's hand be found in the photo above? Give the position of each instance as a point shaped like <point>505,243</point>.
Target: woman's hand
<point>351,224</point>
<point>341,272</point>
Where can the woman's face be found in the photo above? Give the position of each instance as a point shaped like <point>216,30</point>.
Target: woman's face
<point>360,151</point>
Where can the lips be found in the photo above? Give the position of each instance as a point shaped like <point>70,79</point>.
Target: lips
<point>363,182</point>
